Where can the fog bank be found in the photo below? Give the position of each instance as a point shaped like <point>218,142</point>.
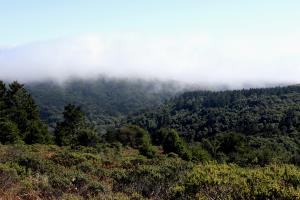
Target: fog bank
<point>193,59</point>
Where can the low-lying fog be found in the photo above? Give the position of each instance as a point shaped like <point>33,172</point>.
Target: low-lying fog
<point>243,62</point>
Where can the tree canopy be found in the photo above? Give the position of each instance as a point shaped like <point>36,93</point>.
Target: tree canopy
<point>20,119</point>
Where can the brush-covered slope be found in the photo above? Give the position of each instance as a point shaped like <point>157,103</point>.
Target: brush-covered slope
<point>106,172</point>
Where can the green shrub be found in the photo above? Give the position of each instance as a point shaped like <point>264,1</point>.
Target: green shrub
<point>137,138</point>
<point>9,133</point>
<point>148,151</point>
<point>86,137</point>
<point>152,179</point>
<point>68,159</point>
<point>215,181</point>
<point>60,183</point>
<point>21,170</point>
<point>36,133</point>
<point>199,154</point>
<point>171,142</point>
<point>8,176</point>
<point>75,129</point>
<point>86,167</point>
<point>63,181</point>
<point>133,136</point>
<point>95,188</point>
<point>35,164</point>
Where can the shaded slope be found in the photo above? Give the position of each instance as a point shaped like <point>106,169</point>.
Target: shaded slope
<point>105,101</point>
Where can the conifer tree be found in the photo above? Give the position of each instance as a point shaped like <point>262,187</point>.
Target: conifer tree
<point>19,116</point>
<point>74,129</point>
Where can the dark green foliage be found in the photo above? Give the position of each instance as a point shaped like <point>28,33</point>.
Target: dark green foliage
<point>135,137</point>
<point>295,159</point>
<point>87,137</point>
<point>208,145</point>
<point>248,127</point>
<point>3,95</point>
<point>148,150</point>
<point>74,129</point>
<point>65,131</point>
<point>9,132</point>
<point>20,117</point>
<point>255,126</point>
<point>105,101</point>
<point>199,154</point>
<point>231,142</point>
<point>171,142</point>
<point>36,133</point>
<point>201,114</point>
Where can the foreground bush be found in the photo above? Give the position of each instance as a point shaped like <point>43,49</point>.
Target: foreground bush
<point>116,172</point>
<point>135,137</point>
<point>222,181</point>
<point>171,142</point>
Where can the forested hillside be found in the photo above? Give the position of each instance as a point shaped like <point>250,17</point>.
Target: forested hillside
<point>204,113</point>
<point>105,101</point>
<point>264,122</point>
<point>199,145</point>
<point>255,126</point>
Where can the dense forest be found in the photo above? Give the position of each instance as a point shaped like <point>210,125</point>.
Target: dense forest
<point>243,126</point>
<point>105,101</point>
<point>255,111</point>
<point>242,144</point>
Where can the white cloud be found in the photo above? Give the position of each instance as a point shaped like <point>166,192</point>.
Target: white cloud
<point>193,59</point>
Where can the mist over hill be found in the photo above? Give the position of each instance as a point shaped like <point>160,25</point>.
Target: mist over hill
<point>199,114</point>
<point>236,62</point>
<point>150,100</point>
<point>106,101</point>
<point>241,126</point>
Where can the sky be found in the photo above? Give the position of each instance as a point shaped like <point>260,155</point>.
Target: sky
<point>233,42</point>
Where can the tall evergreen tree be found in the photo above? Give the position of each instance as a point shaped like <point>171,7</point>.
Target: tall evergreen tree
<point>74,129</point>
<point>2,100</point>
<point>9,132</point>
<point>171,142</point>
<point>20,116</point>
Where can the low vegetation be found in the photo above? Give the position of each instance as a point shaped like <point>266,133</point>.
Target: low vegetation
<point>117,172</point>
<point>153,159</point>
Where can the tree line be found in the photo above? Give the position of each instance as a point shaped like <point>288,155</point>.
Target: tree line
<point>247,127</point>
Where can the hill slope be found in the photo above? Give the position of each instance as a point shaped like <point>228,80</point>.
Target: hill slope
<point>51,172</point>
<point>256,126</point>
<point>203,113</point>
<point>105,101</point>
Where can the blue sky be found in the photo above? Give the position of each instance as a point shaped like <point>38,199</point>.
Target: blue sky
<point>35,20</point>
<point>232,42</point>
